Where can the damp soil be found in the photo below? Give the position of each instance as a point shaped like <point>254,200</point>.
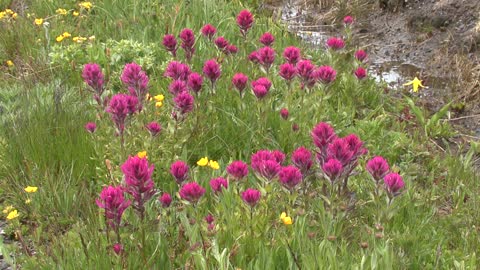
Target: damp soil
<point>436,40</point>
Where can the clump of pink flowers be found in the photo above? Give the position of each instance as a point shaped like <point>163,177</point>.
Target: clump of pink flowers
<point>92,75</point>
<point>335,43</point>
<point>251,197</point>
<point>211,70</point>
<point>218,184</point>
<point>179,171</point>
<point>244,21</point>
<point>237,170</point>
<point>170,44</point>
<point>192,192</point>
<point>136,80</point>
<point>188,41</point>
<point>240,80</point>
<point>154,128</point>
<point>114,202</point>
<point>138,181</point>
<point>208,31</point>
<point>267,39</point>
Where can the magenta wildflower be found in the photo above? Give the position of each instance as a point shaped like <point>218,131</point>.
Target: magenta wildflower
<point>192,192</point>
<point>244,21</point>
<point>209,219</point>
<point>135,79</point>
<point>266,56</point>
<point>348,20</point>
<point>267,39</point>
<point>284,113</point>
<point>378,168</point>
<point>154,128</point>
<point>177,71</point>
<point>184,102</point>
<point>165,200</point>
<point>138,181</point>
<point>333,169</point>
<point>340,150</point>
<point>355,145</point>
<point>176,87</point>
<point>112,200</point>
<point>118,248</point>
<point>170,44</point>
<point>360,55</point>
<point>295,127</point>
<point>302,159</point>
<point>335,43</point>
<point>291,55</point>
<point>91,127</point>
<point>260,91</point>
<point>240,80</point>
<point>119,110</point>
<point>92,75</point>
<point>251,196</point>
<point>209,31</point>
<point>179,171</point>
<point>132,104</point>
<point>269,169</point>
<point>188,41</point>
<point>360,73</point>
<point>195,82</point>
<point>238,170</point>
<point>263,81</point>
<point>393,183</point>
<point>322,134</point>
<point>211,70</point>
<point>326,74</point>
<point>278,156</point>
<point>290,177</point>
<point>253,57</point>
<point>217,184</point>
<point>221,43</point>
<point>231,49</point>
<point>305,69</point>
<point>287,71</point>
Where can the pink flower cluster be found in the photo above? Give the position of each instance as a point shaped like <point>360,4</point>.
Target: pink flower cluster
<point>136,80</point>
<point>92,75</point>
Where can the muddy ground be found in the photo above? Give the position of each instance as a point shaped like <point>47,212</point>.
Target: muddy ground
<point>436,40</point>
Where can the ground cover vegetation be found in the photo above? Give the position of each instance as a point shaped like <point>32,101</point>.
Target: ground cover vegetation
<point>203,135</point>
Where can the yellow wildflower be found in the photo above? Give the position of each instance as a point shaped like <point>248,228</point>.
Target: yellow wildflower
<point>66,35</point>
<point>213,164</point>
<point>12,215</point>
<point>28,201</point>
<point>203,162</point>
<point>86,5</point>
<point>75,13</point>
<point>9,11</point>
<point>14,15</point>
<point>2,14</point>
<point>30,189</point>
<point>10,63</point>
<point>286,219</point>
<point>8,209</point>
<point>415,84</point>
<point>158,104</point>
<point>79,39</point>
<point>39,21</point>
<point>59,38</point>
<point>142,154</point>
<point>159,98</point>
<point>61,11</point>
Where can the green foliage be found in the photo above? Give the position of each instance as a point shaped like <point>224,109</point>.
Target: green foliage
<point>433,224</point>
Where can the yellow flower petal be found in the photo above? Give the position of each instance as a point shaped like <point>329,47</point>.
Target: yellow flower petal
<point>214,165</point>
<point>416,83</point>
<point>10,63</point>
<point>75,13</point>
<point>202,162</point>
<point>30,189</point>
<point>28,201</point>
<point>39,21</point>
<point>59,38</point>
<point>12,215</point>
<point>142,154</point>
<point>158,104</point>
<point>66,35</point>
<point>287,221</point>
<point>159,98</point>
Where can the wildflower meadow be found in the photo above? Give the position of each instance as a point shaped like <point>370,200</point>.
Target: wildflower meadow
<point>202,134</point>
